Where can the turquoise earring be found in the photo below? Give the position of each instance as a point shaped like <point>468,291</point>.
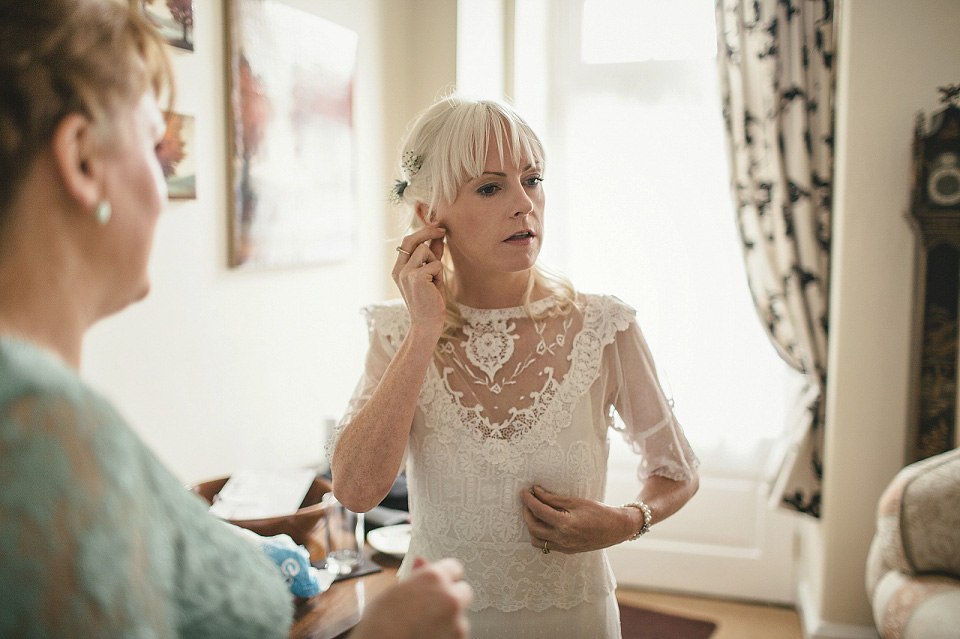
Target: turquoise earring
<point>104,211</point>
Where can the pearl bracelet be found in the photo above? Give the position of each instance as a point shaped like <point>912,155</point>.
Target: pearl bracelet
<point>647,517</point>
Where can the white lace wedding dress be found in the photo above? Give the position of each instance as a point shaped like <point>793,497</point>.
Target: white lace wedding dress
<point>511,404</point>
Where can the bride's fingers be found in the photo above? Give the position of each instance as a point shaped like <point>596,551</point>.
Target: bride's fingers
<point>407,259</point>
<point>426,235</point>
<point>423,255</point>
<point>434,269</point>
<point>421,265</point>
<point>417,248</point>
<point>436,247</point>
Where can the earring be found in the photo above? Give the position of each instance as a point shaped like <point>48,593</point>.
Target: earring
<point>103,212</point>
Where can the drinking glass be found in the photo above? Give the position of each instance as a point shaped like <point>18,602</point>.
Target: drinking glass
<point>344,538</point>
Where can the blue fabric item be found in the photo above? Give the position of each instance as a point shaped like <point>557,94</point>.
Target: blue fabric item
<point>294,564</point>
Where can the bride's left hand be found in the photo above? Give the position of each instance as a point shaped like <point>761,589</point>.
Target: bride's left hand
<point>572,525</point>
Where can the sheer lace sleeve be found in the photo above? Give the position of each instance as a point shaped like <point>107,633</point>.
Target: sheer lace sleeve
<point>387,324</point>
<point>649,425</point>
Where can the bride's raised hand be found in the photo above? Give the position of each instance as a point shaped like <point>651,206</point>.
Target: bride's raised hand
<point>419,276</point>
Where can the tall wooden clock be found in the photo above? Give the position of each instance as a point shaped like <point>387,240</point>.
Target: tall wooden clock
<point>935,211</point>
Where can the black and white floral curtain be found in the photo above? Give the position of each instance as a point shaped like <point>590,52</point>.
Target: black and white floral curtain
<point>776,61</point>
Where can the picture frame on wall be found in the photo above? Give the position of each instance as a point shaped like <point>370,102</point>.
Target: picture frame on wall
<point>176,153</point>
<point>172,18</point>
<point>291,80</point>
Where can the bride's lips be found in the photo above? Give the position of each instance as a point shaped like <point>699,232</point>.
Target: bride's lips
<point>525,236</point>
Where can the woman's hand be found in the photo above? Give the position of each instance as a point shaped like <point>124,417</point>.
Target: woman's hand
<point>572,524</point>
<point>430,604</point>
<point>419,276</point>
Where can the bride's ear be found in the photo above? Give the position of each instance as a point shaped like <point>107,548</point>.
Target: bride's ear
<point>78,160</point>
<point>426,215</point>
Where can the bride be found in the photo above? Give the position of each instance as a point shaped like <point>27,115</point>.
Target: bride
<point>494,383</point>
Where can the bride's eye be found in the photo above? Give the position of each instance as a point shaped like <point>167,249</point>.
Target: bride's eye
<point>534,180</point>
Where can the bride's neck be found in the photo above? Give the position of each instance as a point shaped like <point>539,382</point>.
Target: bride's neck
<point>505,291</point>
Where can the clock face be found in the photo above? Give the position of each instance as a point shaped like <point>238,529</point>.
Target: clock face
<point>943,181</point>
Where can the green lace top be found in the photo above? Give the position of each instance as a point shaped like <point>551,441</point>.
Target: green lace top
<point>98,538</point>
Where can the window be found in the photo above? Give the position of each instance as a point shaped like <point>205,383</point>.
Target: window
<point>616,31</point>
<point>638,205</point>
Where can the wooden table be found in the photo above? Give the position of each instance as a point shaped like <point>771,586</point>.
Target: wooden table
<point>334,612</point>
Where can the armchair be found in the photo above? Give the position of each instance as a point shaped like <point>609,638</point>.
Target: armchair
<point>913,567</point>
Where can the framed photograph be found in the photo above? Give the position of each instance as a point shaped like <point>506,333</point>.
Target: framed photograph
<point>293,169</point>
<point>173,18</point>
<point>176,154</point>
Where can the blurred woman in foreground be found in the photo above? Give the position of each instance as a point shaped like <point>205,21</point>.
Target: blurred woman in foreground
<point>97,538</point>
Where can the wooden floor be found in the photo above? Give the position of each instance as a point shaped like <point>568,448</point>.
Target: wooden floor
<point>735,620</point>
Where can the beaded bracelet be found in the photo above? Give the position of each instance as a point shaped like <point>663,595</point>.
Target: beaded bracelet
<point>647,517</point>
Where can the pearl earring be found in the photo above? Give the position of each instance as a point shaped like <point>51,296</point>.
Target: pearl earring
<point>103,212</point>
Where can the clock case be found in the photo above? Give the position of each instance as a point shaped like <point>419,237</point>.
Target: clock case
<point>936,324</point>
<point>943,139</point>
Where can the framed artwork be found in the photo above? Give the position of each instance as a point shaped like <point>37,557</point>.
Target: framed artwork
<point>173,18</point>
<point>176,155</point>
<point>293,156</point>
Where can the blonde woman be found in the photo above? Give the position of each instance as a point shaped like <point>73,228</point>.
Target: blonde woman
<point>494,383</point>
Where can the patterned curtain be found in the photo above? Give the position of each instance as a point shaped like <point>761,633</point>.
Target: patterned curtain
<point>776,61</point>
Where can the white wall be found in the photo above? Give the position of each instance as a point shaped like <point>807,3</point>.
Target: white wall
<point>223,368</point>
<point>892,54</point>
<point>220,368</point>
<point>419,43</point>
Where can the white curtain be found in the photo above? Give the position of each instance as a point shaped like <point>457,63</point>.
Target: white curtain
<point>776,61</point>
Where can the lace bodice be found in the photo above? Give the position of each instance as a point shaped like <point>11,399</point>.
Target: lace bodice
<point>98,538</point>
<point>513,402</point>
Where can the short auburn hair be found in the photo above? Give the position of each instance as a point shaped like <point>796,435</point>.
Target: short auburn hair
<point>59,57</point>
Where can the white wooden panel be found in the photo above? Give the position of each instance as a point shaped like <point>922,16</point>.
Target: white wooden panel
<point>725,542</point>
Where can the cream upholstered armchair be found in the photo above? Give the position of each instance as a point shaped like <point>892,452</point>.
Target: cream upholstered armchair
<point>913,568</point>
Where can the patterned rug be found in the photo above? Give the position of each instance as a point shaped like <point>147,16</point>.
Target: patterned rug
<point>643,623</point>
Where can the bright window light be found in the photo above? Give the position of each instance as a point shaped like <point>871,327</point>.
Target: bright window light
<point>641,30</point>
<point>639,205</point>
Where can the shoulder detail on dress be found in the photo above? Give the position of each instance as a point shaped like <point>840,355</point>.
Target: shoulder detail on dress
<point>381,309</point>
<point>606,315</point>
<point>609,302</point>
<point>388,318</point>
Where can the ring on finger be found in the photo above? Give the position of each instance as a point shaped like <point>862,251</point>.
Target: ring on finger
<point>400,249</point>
<point>545,550</point>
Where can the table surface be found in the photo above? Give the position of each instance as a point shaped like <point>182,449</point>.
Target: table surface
<point>334,612</point>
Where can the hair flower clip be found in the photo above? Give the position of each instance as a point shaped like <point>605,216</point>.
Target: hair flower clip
<point>396,193</point>
<point>411,163</point>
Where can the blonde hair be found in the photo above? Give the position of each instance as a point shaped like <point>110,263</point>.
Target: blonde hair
<point>59,57</point>
<point>445,147</point>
